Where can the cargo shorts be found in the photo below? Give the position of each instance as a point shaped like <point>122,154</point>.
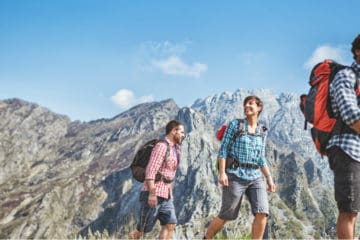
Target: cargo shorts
<point>232,196</point>
<point>346,180</point>
<point>164,211</point>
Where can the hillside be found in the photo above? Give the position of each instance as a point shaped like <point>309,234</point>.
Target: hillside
<point>58,177</point>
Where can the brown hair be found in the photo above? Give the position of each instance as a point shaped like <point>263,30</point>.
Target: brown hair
<point>171,125</point>
<point>257,101</point>
<point>355,45</point>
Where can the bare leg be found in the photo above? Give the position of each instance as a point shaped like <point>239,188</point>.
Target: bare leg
<point>346,225</point>
<point>135,234</point>
<point>167,231</point>
<point>258,226</point>
<point>215,226</point>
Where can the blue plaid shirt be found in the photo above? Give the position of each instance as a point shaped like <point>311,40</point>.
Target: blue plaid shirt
<point>346,105</point>
<point>247,148</point>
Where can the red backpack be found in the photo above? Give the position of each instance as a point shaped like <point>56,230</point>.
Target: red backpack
<point>316,105</point>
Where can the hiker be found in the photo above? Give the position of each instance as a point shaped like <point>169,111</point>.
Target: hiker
<point>156,198</point>
<point>343,149</point>
<point>244,174</point>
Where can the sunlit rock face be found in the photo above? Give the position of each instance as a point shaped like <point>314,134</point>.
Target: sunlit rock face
<point>60,178</point>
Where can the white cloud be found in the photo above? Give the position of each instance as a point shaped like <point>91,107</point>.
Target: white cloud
<point>175,66</point>
<point>168,58</point>
<point>125,98</point>
<point>325,52</point>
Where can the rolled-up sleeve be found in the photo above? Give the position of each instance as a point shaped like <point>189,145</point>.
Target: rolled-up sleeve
<point>156,160</point>
<point>345,97</point>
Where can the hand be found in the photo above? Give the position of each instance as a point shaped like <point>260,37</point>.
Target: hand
<point>270,183</point>
<point>152,200</point>
<point>223,179</point>
<point>171,193</point>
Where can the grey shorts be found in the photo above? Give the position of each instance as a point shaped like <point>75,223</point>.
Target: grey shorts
<point>164,211</point>
<point>346,180</point>
<point>232,195</point>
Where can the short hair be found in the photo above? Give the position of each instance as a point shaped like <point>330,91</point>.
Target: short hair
<point>257,101</point>
<point>171,125</point>
<point>355,45</point>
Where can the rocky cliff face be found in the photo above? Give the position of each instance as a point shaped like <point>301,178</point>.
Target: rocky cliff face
<point>59,178</point>
<point>54,172</point>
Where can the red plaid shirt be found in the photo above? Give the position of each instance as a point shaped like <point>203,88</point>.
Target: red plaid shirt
<point>167,170</point>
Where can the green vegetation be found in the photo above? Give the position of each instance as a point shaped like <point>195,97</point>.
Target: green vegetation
<point>96,235</point>
<point>295,229</point>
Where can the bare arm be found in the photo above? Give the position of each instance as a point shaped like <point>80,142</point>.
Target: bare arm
<point>271,186</point>
<point>223,179</point>
<point>356,126</point>
<point>152,200</point>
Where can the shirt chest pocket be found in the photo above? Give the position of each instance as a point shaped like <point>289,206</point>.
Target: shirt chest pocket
<point>257,150</point>
<point>171,163</point>
<point>253,146</point>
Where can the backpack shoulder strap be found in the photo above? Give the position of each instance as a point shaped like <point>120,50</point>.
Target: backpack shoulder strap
<point>159,176</point>
<point>240,131</point>
<point>263,131</point>
<point>241,127</point>
<point>167,155</point>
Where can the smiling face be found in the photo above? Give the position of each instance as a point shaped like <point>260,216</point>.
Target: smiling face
<point>252,106</point>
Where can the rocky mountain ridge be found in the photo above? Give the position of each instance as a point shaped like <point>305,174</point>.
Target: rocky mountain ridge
<point>60,178</point>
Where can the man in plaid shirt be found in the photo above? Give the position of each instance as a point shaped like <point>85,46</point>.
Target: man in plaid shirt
<point>156,199</point>
<point>344,147</point>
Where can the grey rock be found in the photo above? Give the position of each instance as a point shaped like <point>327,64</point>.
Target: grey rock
<point>60,178</point>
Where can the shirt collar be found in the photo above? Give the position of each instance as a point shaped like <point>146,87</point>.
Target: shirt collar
<point>171,144</point>
<point>257,130</point>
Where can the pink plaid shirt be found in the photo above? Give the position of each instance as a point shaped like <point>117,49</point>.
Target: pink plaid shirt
<point>167,170</point>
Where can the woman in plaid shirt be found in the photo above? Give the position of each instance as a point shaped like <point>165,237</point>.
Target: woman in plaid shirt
<point>245,175</point>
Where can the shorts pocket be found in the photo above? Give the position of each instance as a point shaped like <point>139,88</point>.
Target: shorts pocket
<point>344,188</point>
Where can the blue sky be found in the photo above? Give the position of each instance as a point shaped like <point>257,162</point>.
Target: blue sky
<point>92,59</point>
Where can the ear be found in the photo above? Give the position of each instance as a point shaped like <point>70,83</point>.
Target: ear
<point>357,52</point>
